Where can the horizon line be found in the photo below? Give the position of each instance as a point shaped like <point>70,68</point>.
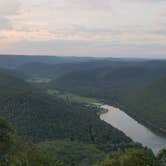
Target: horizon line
<point>97,57</point>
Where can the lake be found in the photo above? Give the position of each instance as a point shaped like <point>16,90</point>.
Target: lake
<point>136,131</point>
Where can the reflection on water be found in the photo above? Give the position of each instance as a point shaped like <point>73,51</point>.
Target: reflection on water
<point>133,129</point>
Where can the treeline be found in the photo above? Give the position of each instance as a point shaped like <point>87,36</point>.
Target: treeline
<point>65,133</point>
<point>148,105</point>
<point>135,157</point>
<point>14,152</point>
<point>137,88</point>
<point>39,117</point>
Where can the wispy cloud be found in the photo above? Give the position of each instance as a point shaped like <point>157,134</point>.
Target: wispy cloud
<point>133,24</point>
<point>7,8</point>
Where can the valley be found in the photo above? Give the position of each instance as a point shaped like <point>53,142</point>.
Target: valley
<point>57,107</point>
<point>137,132</point>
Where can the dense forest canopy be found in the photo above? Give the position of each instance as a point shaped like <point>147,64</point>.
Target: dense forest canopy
<point>135,87</point>
<point>37,116</point>
<point>46,123</point>
<point>14,152</point>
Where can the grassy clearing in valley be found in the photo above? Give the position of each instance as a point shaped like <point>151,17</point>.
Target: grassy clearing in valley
<point>72,97</point>
<point>38,80</point>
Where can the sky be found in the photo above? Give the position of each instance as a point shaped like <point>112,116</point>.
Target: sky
<point>114,28</point>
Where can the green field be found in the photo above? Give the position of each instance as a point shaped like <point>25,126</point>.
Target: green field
<point>72,97</point>
<point>38,80</point>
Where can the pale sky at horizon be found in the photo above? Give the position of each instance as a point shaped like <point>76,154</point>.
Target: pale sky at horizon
<point>115,28</point>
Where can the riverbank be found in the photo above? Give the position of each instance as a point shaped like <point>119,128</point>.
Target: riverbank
<point>152,126</point>
<point>133,129</point>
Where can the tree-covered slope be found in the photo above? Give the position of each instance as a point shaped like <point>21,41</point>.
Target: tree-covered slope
<point>14,61</point>
<point>149,105</point>
<point>14,152</point>
<point>73,152</point>
<point>39,69</point>
<point>110,80</point>
<point>134,87</point>
<point>40,117</point>
<point>131,157</point>
<point>9,85</point>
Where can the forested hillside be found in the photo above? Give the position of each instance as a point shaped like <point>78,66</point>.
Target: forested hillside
<point>39,69</point>
<point>14,61</point>
<point>40,117</point>
<point>69,133</point>
<point>148,104</point>
<point>119,85</point>
<point>110,80</point>
<point>14,152</point>
<point>73,152</point>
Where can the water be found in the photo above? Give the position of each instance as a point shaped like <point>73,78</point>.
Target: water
<point>133,129</point>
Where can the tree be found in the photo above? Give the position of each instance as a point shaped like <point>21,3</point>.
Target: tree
<point>7,139</point>
<point>131,157</point>
<point>14,152</point>
<point>161,157</point>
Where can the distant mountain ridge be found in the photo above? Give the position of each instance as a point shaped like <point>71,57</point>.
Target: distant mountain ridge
<point>13,61</point>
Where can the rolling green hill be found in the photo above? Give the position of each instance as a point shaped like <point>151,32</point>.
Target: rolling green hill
<point>73,152</point>
<point>14,61</point>
<point>14,152</point>
<point>40,117</point>
<point>47,70</point>
<point>68,133</point>
<point>132,86</point>
<point>149,106</point>
<point>110,80</point>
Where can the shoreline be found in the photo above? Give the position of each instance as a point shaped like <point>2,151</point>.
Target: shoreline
<point>155,129</point>
<point>133,128</point>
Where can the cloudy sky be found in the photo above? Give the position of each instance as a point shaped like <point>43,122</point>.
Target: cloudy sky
<point>116,28</point>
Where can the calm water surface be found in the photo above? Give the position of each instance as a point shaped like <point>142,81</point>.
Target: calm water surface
<point>133,129</point>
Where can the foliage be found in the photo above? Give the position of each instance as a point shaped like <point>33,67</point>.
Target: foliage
<point>123,83</point>
<point>15,153</point>
<point>83,139</point>
<point>161,157</point>
<point>132,86</point>
<point>40,117</point>
<point>70,97</point>
<point>7,139</point>
<point>131,157</point>
<point>149,106</point>
<point>73,153</point>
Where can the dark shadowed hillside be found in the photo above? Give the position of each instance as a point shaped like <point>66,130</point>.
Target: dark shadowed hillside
<point>13,61</point>
<point>148,104</point>
<point>112,81</point>
<point>116,84</point>
<point>39,69</point>
<point>40,117</point>
<point>69,133</point>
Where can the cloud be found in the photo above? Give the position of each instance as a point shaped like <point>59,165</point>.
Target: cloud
<point>8,8</point>
<point>92,4</point>
<point>87,48</point>
<point>70,26</point>
<point>5,23</point>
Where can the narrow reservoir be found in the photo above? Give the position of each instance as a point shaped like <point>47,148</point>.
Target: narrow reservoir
<point>136,131</point>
